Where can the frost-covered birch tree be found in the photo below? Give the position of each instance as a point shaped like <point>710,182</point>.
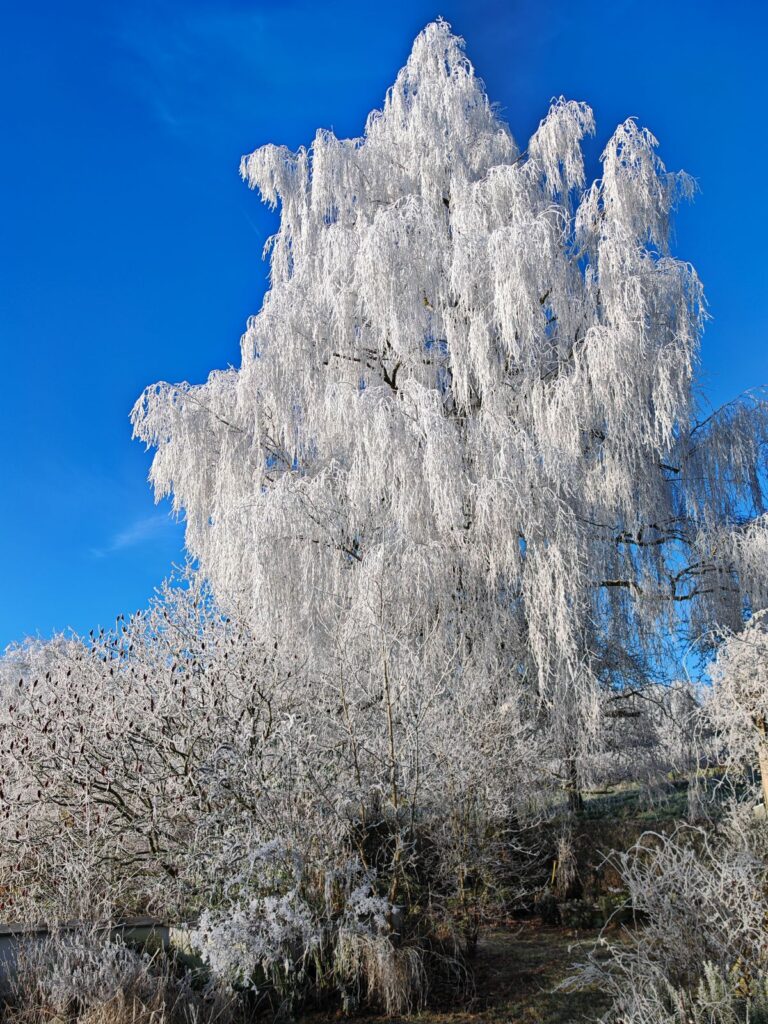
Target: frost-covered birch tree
<point>465,427</point>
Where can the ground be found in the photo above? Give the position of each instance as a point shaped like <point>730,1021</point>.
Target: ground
<point>516,972</point>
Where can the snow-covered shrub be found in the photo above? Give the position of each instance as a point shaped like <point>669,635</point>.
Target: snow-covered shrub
<point>700,898</point>
<point>82,975</point>
<point>738,701</point>
<point>715,999</point>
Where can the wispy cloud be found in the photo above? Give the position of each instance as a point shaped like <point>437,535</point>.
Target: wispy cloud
<point>189,63</point>
<point>207,60</point>
<point>142,531</point>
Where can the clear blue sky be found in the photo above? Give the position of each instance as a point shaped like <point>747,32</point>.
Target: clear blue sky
<point>131,250</point>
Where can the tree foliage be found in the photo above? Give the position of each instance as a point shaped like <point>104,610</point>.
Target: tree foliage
<point>466,410</point>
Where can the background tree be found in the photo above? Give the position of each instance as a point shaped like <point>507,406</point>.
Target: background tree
<point>738,701</point>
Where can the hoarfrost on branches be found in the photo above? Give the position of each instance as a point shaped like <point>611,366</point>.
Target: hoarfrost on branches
<point>464,430</point>
<point>737,704</point>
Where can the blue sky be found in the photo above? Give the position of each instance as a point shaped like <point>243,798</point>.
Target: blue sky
<point>131,251</point>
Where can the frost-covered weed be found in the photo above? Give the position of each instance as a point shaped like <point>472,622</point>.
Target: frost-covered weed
<point>383,973</point>
<point>82,968</point>
<point>81,975</point>
<point>716,999</point>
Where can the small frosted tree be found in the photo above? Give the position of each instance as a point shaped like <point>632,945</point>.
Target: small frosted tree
<point>738,702</point>
<point>464,428</point>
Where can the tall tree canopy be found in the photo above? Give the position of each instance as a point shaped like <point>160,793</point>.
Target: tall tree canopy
<point>465,430</point>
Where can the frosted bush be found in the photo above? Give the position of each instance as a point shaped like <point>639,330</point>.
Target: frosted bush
<point>715,999</point>
<point>270,938</point>
<point>366,911</point>
<point>700,898</point>
<point>186,757</point>
<point>286,946</point>
<point>738,701</point>
<point>79,968</point>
